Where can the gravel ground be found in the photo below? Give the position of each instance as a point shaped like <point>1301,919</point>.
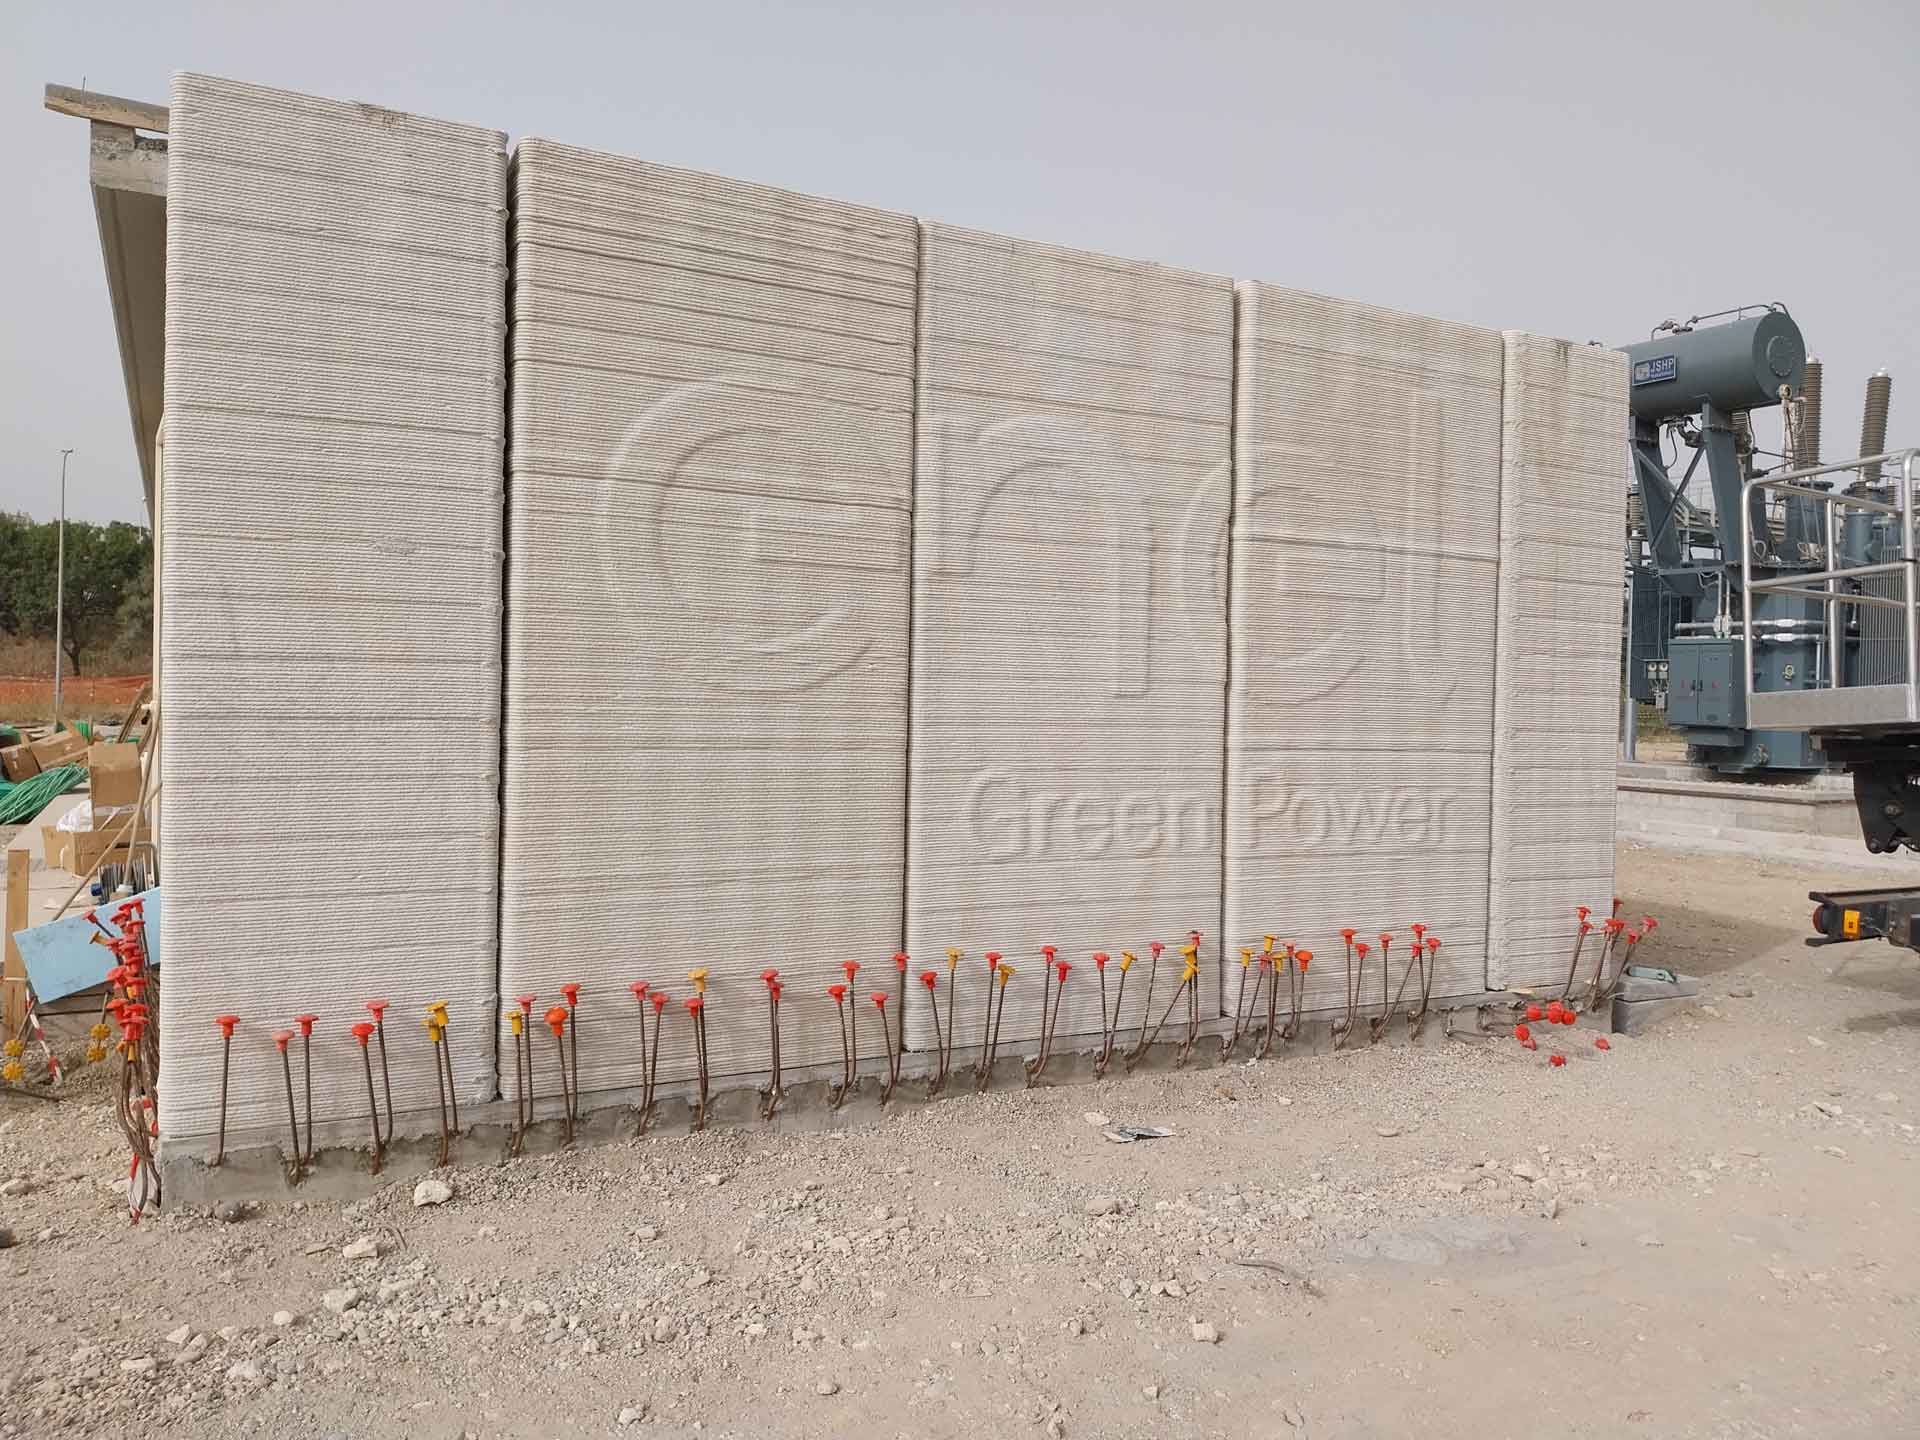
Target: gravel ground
<point>1702,1232</point>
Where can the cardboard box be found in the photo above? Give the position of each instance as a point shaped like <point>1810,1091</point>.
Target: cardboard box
<point>113,776</point>
<point>87,850</point>
<point>18,763</point>
<point>63,747</point>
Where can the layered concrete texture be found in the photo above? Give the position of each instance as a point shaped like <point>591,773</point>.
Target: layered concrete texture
<point>707,603</point>
<point>1563,483</point>
<point>330,677</point>
<point>1069,623</point>
<point>1360,711</point>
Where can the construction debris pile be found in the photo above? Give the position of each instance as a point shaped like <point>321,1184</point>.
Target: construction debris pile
<point>865,580</point>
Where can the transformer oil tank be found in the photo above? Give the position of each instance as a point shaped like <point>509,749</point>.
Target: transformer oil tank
<point>1740,365</point>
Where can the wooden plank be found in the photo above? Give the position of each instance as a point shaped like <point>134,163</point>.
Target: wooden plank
<point>13,1004</point>
<point>113,109</point>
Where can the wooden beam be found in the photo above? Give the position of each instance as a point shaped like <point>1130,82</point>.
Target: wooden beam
<point>112,109</point>
<point>13,1003</point>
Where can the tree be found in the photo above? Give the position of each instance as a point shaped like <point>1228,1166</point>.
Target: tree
<point>104,563</point>
<point>109,584</point>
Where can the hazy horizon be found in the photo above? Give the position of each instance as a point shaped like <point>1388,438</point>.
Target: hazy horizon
<point>1565,175</point>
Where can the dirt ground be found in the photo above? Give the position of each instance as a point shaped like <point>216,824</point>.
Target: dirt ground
<point>1703,1232</point>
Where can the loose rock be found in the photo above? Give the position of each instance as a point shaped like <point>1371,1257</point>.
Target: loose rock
<point>432,1192</point>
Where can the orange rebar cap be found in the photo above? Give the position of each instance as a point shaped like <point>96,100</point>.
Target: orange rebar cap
<point>556,1019</point>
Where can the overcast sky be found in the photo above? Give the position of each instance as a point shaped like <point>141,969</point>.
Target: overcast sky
<point>1582,171</point>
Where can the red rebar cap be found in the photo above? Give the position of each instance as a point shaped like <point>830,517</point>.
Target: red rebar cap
<point>1522,1034</point>
<point>1061,967</point>
<point>1583,911</point>
<point>1433,943</point>
<point>1100,959</point>
<point>226,1024</point>
<point>1049,951</point>
<point>1586,927</point>
<point>879,998</point>
<point>305,1022</point>
<point>1615,926</point>
<point>1386,939</point>
<point>659,999</point>
<point>1156,946</point>
<point>929,979</point>
<point>572,992</point>
<point>1633,937</point>
<point>1418,931</point>
<point>769,975</point>
<point>280,1037</point>
<point>1648,924</point>
<point>556,1019</point>
<point>695,1004</point>
<point>993,959</point>
<point>377,1008</point>
<point>900,961</point>
<point>639,988</point>
<point>850,968</point>
<point>774,987</point>
<point>1348,934</point>
<point>361,1031</point>
<point>1556,1060</point>
<point>839,994</point>
<point>1360,948</point>
<point>117,975</point>
<point>1600,1042</point>
<point>526,1003</point>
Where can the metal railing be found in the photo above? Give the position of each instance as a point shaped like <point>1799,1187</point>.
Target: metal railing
<point>1833,703</point>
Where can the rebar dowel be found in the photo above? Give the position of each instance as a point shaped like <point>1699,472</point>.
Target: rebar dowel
<point>305,1022</point>
<point>572,993</point>
<point>280,1040</point>
<point>566,1086</point>
<point>953,1006</point>
<point>899,1054</point>
<point>440,1079</point>
<point>226,1024</point>
<point>986,1015</point>
<point>378,1009</point>
<point>1573,966</point>
<point>373,1103</point>
<point>1146,1006</point>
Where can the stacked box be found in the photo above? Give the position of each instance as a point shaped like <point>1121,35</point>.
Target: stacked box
<point>1564,478</point>
<point>1069,626</point>
<point>330,647</point>
<point>707,602</point>
<point>1360,714</point>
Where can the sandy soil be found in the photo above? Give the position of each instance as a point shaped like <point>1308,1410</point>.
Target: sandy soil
<point>1704,1232</point>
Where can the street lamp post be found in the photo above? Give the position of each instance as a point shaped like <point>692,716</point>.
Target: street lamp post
<point>60,588</point>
